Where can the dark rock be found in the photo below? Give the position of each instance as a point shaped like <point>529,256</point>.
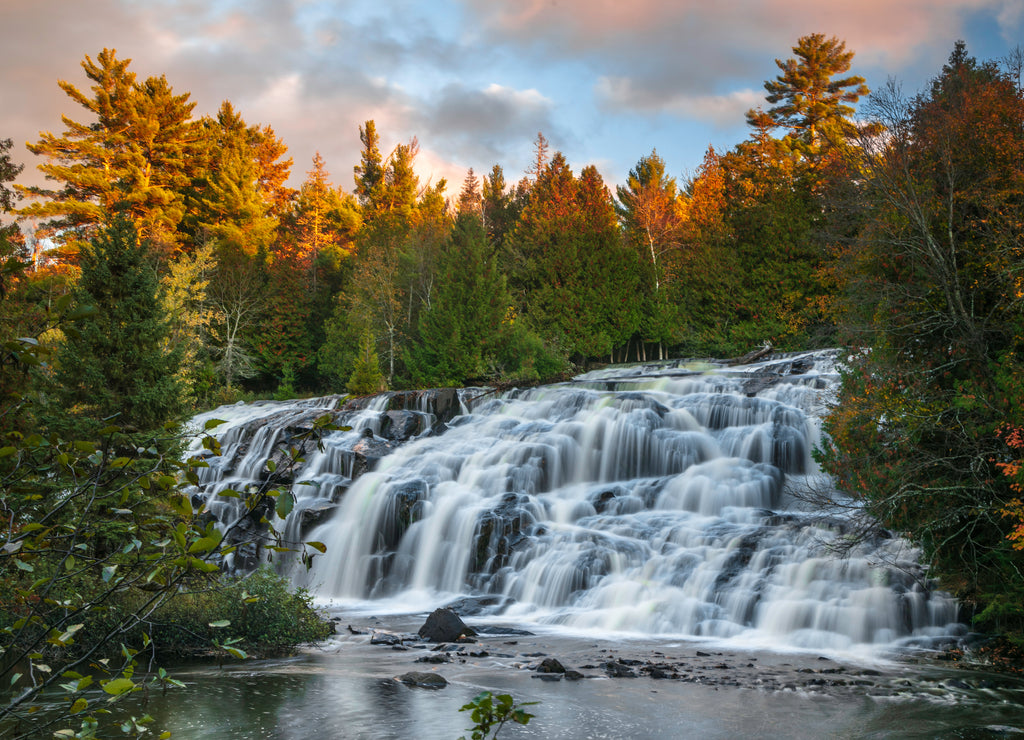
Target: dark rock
<point>315,514</point>
<point>436,658</point>
<point>400,426</point>
<point>380,637</point>
<point>550,665</point>
<point>423,680</point>
<point>444,625</point>
<point>547,676</point>
<point>572,675</point>
<point>616,669</point>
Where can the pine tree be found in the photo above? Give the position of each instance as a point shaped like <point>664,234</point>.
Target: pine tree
<point>461,330</point>
<point>117,366</point>
<point>575,282</point>
<point>807,99</point>
<point>369,174</point>
<point>135,158</point>
<point>366,377</point>
<point>469,196</point>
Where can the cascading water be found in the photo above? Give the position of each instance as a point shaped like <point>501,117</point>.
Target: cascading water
<point>653,500</point>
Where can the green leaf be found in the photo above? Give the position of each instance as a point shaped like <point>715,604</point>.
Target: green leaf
<point>320,546</point>
<point>204,544</point>
<point>108,573</point>
<point>221,623</point>
<point>285,503</point>
<point>22,565</point>
<point>80,705</point>
<point>7,451</point>
<point>212,423</point>
<point>118,686</point>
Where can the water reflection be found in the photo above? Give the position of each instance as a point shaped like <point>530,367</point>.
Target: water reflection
<point>352,694</point>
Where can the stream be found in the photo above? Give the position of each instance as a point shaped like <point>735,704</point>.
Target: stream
<point>659,515</point>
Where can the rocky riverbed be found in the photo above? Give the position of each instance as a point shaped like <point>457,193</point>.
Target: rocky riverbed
<point>557,657</point>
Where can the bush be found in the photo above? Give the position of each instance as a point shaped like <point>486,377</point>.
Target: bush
<point>258,613</point>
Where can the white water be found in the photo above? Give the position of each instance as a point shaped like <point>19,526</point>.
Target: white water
<point>651,501</point>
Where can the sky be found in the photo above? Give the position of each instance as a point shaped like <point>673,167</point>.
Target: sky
<point>606,81</point>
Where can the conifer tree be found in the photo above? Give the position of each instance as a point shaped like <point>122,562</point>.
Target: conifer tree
<point>366,376</point>
<point>575,282</point>
<point>117,366</point>
<point>469,196</point>
<point>808,100</point>
<point>369,173</point>
<point>136,157</point>
<point>461,330</point>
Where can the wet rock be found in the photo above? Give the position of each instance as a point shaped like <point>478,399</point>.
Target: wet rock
<point>571,675</point>
<point>401,426</point>
<point>472,605</point>
<point>437,658</point>
<point>615,669</point>
<point>444,625</point>
<point>313,515</point>
<point>381,637</point>
<point>550,665</point>
<point>423,680</point>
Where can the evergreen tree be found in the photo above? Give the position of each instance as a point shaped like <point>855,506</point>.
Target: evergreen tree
<point>806,97</point>
<point>460,331</point>
<point>135,158</point>
<point>575,282</point>
<point>117,365</point>
<point>469,196</point>
<point>369,174</point>
<point>10,235</point>
<point>498,206</point>
<point>366,376</point>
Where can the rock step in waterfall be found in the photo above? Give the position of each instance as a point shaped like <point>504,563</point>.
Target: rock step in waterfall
<point>653,500</point>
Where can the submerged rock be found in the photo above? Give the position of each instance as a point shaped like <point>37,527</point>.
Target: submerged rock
<point>423,680</point>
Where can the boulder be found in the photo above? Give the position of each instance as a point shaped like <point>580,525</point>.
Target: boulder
<point>444,625</point>
<point>550,665</point>
<point>423,680</point>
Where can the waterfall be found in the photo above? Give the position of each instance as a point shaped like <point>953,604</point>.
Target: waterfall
<point>651,500</point>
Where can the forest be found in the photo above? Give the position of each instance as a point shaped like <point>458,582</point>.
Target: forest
<point>182,272</point>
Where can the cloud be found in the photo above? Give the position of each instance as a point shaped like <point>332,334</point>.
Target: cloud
<point>616,93</point>
<point>479,125</point>
<point>703,46</point>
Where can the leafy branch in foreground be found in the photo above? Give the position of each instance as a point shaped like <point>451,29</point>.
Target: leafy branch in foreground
<point>493,712</point>
<point>98,540</point>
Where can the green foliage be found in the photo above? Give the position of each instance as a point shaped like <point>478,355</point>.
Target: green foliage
<point>574,280</point>
<point>461,329</point>
<point>493,712</point>
<point>116,364</point>
<point>258,614</point>
<point>935,280</point>
<point>100,536</point>
<point>366,376</point>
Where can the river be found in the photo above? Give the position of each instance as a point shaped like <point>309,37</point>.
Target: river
<point>659,513</point>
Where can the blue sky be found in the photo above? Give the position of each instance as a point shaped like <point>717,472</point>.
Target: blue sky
<point>606,81</point>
